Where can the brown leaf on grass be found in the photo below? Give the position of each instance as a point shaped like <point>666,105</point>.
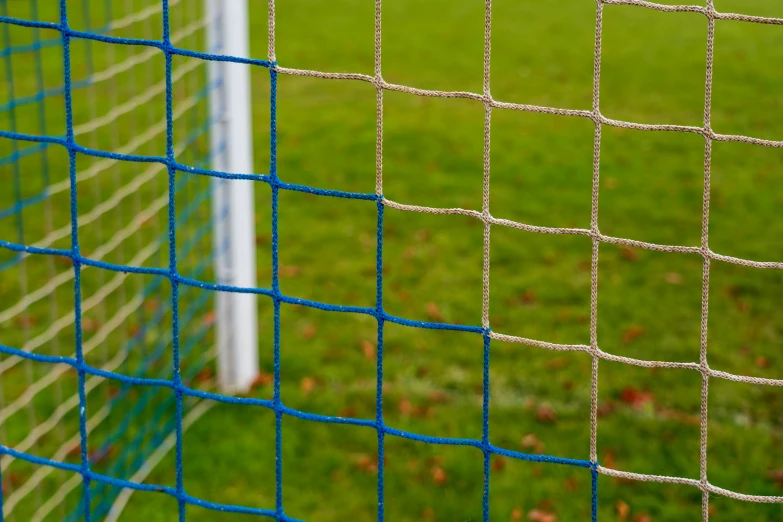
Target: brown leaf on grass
<point>63,261</point>
<point>208,319</point>
<point>623,509</point>
<point>570,484</point>
<point>606,408</point>
<point>531,442</point>
<point>309,331</point>
<point>368,349</point>
<point>762,362</point>
<point>673,278</point>
<point>307,384</point>
<point>151,305</point>
<point>776,475</point>
<point>608,460</point>
<point>538,515</point>
<point>433,312</point>
<point>25,320</point>
<point>439,397</point>
<point>263,239</point>
<point>498,463</point>
<point>528,297</point>
<point>428,513</point>
<point>546,413</point>
<point>423,234</point>
<point>288,270</point>
<point>347,411</point>
<point>516,513</point>
<point>636,398</point>
<point>557,363</point>
<point>90,325</point>
<point>642,517</point>
<point>632,333</point>
<point>629,253</point>
<point>261,380</point>
<point>405,407</point>
<point>367,464</point>
<point>438,475</point>
<point>134,331</point>
<point>204,375</point>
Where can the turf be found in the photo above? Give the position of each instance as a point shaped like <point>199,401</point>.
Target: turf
<point>649,302</point>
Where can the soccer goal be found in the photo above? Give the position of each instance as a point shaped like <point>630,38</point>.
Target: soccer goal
<point>128,259</point>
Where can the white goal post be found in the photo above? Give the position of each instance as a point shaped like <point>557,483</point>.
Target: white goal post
<point>234,217</point>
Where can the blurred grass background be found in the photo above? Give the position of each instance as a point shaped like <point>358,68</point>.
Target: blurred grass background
<point>649,302</point>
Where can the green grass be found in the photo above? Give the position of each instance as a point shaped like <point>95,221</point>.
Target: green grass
<point>649,304</point>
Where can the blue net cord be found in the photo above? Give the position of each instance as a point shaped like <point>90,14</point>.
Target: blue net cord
<point>177,383</point>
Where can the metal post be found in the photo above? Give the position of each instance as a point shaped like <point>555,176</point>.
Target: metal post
<point>233,213</point>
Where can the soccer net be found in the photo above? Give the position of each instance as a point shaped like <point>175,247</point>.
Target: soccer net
<point>118,98</point>
<point>134,343</point>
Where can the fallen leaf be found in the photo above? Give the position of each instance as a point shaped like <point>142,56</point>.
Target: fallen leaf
<point>622,509</point>
<point>632,333</point>
<point>546,413</point>
<point>347,411</point>
<point>673,278</point>
<point>423,234</point>
<point>262,379</point>
<point>208,319</point>
<point>538,515</point>
<point>134,331</point>
<point>531,442</point>
<point>428,513</point>
<point>605,408</point>
<point>516,513</point>
<point>288,270</point>
<point>368,349</point>
<point>528,297</point>
<point>635,398</point>
<point>439,397</point>
<point>557,363</point>
<point>498,463</point>
<point>89,325</point>
<point>367,464</point>
<point>309,331</point>
<point>608,460</point>
<point>204,375</point>
<point>762,362</point>
<point>642,517</point>
<point>26,320</point>
<point>307,384</point>
<point>151,305</point>
<point>629,253</point>
<point>434,312</point>
<point>438,475</point>
<point>405,407</point>
<point>776,475</point>
<point>570,484</point>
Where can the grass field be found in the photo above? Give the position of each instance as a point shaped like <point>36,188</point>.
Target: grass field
<point>649,303</point>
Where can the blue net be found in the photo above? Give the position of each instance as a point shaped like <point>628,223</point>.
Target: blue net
<point>160,387</point>
<point>124,324</point>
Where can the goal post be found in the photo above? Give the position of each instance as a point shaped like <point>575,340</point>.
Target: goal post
<point>232,200</point>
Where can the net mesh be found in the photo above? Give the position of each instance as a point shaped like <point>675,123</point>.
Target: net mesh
<point>118,92</point>
<point>84,471</point>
